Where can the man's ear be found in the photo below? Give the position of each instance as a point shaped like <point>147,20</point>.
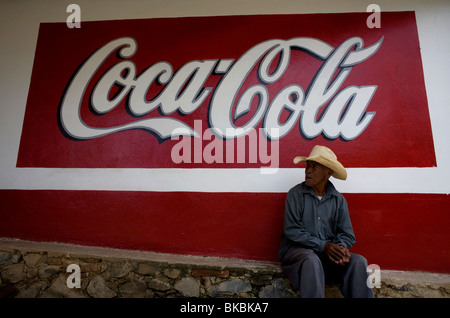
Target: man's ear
<point>329,173</point>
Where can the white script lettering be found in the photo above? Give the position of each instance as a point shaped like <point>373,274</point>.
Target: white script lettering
<point>343,110</point>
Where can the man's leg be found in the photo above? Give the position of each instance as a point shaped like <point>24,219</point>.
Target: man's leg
<point>304,269</point>
<point>355,278</point>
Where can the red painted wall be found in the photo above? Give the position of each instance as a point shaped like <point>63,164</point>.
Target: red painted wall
<point>395,231</point>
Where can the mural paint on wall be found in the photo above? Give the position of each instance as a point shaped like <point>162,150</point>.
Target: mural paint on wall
<point>227,92</point>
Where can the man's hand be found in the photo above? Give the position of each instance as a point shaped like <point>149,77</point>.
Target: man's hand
<point>338,254</point>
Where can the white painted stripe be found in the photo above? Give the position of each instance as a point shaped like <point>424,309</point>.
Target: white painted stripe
<point>360,180</point>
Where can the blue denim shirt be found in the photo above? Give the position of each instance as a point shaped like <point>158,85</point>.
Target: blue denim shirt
<point>310,222</point>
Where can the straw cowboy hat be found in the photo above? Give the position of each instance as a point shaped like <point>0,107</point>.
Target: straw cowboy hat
<point>326,157</point>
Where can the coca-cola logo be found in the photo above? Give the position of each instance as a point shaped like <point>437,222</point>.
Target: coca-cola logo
<point>227,92</point>
<point>184,92</point>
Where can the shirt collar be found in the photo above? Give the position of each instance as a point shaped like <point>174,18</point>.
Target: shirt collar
<point>330,190</point>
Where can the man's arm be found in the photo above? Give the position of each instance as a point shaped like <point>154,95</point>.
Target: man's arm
<point>338,250</point>
<point>344,231</point>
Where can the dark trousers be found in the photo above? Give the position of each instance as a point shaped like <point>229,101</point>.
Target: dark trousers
<point>307,272</point>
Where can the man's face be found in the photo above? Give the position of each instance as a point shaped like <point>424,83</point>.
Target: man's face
<point>316,174</point>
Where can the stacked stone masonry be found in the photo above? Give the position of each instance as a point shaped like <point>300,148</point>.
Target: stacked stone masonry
<point>42,272</point>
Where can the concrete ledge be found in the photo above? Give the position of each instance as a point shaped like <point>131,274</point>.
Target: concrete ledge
<point>402,284</point>
<point>38,269</point>
<point>113,253</point>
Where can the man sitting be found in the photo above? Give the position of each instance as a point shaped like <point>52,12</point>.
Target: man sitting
<point>318,233</point>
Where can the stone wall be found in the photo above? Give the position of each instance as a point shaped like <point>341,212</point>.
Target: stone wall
<point>41,270</point>
<point>44,275</point>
